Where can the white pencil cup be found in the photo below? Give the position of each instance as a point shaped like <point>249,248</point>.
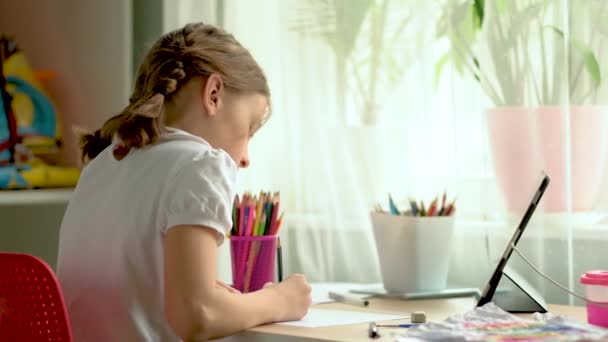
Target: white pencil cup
<point>414,252</point>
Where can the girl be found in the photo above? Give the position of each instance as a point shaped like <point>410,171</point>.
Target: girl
<point>137,249</point>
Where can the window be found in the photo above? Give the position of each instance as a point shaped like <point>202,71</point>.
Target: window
<point>361,110</point>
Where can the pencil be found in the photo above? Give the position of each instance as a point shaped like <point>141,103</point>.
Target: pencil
<point>279,221</point>
<point>258,211</point>
<point>263,215</point>
<point>235,215</point>
<point>279,260</point>
<point>414,207</point>
<point>422,209</point>
<point>273,218</point>
<point>241,221</point>
<point>432,207</point>
<point>450,210</point>
<point>392,206</point>
<point>251,261</point>
<point>250,232</point>
<point>266,228</point>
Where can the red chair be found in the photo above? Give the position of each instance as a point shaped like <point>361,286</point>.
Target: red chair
<point>31,304</point>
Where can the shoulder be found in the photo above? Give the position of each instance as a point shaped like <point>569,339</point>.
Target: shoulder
<point>201,186</point>
<point>210,165</point>
<point>185,153</point>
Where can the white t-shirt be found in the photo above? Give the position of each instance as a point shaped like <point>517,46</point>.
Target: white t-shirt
<point>110,262</point>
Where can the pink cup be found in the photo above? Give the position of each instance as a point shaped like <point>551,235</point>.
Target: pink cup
<point>596,288</point>
<point>253,261</point>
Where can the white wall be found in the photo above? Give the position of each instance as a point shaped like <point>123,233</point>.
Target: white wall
<point>177,13</point>
<point>88,44</point>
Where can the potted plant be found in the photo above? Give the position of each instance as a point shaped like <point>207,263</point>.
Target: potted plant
<point>368,40</point>
<point>543,84</point>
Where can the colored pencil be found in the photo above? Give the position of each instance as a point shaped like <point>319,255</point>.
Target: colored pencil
<point>251,219</point>
<point>251,260</point>
<point>450,210</point>
<point>256,215</point>
<point>235,215</point>
<point>273,220</point>
<point>269,208</point>
<point>439,206</point>
<point>392,206</point>
<point>432,207</point>
<point>414,207</point>
<point>241,226</point>
<point>258,211</point>
<point>279,221</point>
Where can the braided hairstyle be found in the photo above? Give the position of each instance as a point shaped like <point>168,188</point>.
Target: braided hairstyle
<point>196,50</point>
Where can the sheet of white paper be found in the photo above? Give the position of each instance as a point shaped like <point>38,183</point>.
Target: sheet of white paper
<point>320,291</point>
<point>324,318</point>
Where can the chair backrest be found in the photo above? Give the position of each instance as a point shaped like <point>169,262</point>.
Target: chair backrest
<point>31,304</point>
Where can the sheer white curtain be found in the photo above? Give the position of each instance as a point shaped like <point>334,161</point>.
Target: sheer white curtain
<point>427,136</point>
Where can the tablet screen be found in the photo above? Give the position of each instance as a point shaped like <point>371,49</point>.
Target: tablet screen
<point>497,276</point>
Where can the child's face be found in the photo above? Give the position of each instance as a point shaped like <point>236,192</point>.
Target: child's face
<point>239,117</point>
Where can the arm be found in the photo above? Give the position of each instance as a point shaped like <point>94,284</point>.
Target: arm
<point>198,309</point>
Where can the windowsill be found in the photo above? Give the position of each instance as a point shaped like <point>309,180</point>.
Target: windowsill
<point>35,197</point>
<point>592,226</point>
<point>587,226</point>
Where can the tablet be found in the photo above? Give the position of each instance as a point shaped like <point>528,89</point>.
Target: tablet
<point>520,298</point>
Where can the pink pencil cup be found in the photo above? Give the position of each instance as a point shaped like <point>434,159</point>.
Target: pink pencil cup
<point>253,261</point>
<point>596,288</point>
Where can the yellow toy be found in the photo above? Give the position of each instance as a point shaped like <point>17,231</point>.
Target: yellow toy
<point>29,127</point>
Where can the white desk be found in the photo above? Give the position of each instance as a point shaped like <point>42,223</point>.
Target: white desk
<point>436,310</point>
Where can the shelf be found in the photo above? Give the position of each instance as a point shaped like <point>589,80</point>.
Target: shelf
<point>35,197</point>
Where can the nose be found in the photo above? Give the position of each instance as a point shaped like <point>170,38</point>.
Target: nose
<point>244,162</point>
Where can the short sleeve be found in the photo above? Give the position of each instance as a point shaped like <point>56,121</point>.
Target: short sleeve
<point>201,193</point>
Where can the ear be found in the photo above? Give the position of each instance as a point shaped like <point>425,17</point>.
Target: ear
<point>213,88</point>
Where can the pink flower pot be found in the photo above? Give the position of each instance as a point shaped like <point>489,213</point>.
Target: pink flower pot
<point>588,148</point>
<point>526,141</point>
<point>517,162</point>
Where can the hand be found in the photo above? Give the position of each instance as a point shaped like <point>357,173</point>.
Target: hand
<point>295,293</point>
<point>229,288</point>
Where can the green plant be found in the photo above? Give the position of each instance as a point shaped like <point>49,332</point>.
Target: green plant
<point>517,53</point>
<point>366,41</point>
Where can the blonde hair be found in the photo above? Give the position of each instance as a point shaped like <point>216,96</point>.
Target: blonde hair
<point>196,50</point>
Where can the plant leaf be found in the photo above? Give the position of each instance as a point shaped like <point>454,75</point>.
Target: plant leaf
<point>452,14</point>
<point>501,6</point>
<point>524,17</point>
<point>459,15</point>
<point>439,67</point>
<point>478,13</point>
<point>521,22</point>
<point>338,22</point>
<point>441,29</point>
<point>589,61</point>
<point>476,71</point>
<point>350,15</point>
<point>462,36</point>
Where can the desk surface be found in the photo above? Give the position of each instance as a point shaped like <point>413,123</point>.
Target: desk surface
<point>436,310</point>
